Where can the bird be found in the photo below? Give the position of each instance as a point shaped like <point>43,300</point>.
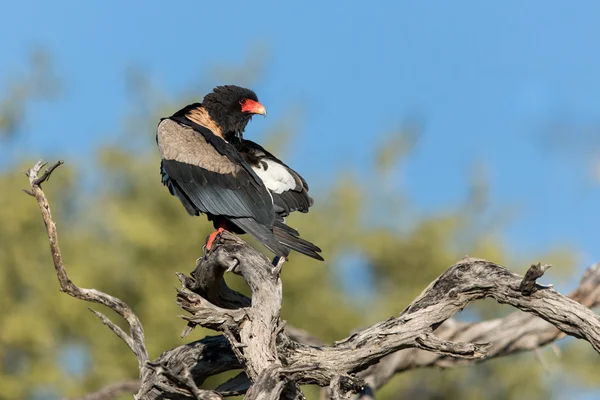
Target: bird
<point>241,187</point>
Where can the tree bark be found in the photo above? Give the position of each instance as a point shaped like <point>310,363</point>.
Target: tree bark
<point>274,360</point>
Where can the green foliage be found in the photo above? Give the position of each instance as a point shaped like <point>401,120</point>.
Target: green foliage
<point>128,237</point>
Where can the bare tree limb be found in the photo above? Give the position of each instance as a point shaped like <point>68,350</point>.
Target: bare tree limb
<point>115,328</point>
<point>276,362</point>
<point>517,332</point>
<point>470,351</point>
<point>528,284</point>
<point>184,378</point>
<point>467,281</point>
<point>135,340</point>
<point>252,330</point>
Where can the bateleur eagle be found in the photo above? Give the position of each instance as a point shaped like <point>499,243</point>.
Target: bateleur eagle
<point>241,187</point>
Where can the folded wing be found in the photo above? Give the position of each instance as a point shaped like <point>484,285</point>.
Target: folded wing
<point>210,180</point>
<point>288,188</point>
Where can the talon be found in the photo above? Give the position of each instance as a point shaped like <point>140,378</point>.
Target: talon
<point>212,238</point>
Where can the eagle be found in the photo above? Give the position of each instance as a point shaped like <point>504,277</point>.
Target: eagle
<point>241,187</point>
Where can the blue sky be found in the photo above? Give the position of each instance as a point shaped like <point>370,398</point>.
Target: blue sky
<point>486,77</point>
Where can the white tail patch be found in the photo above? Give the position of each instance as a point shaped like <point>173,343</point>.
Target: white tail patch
<point>275,176</point>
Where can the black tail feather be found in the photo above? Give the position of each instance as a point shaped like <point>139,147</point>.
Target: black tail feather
<point>280,240</point>
<point>281,224</point>
<point>289,238</point>
<point>261,233</point>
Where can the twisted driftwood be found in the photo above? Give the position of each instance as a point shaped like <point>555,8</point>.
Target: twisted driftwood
<point>274,360</point>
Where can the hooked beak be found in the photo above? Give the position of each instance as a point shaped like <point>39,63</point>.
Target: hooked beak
<point>254,107</point>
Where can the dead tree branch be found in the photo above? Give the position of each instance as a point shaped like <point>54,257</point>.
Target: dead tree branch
<point>135,340</point>
<point>276,361</point>
<point>467,281</point>
<point>515,333</point>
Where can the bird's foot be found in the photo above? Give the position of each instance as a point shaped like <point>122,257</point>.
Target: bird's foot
<point>212,238</point>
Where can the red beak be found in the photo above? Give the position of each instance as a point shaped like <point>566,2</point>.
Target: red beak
<point>254,107</point>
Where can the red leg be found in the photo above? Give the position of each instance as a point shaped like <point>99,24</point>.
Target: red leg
<point>212,238</point>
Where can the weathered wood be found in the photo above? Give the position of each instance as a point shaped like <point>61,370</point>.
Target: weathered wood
<point>135,340</point>
<point>252,330</point>
<point>276,360</point>
<point>517,332</point>
<point>529,283</point>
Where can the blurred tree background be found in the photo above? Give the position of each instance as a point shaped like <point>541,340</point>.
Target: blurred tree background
<point>122,233</point>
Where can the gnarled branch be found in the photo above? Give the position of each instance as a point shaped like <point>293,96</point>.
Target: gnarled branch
<point>515,333</point>
<point>276,360</point>
<point>135,340</point>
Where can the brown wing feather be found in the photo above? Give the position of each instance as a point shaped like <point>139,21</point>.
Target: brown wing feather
<point>182,143</point>
<point>208,181</point>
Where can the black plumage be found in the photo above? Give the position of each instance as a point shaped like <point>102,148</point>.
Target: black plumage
<point>223,106</point>
<point>292,198</point>
<point>230,182</point>
<point>220,194</point>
